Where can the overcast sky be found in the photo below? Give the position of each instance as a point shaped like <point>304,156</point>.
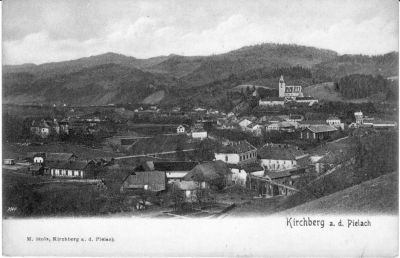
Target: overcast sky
<point>38,31</point>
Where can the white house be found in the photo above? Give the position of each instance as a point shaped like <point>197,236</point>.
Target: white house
<point>78,169</point>
<point>272,101</point>
<point>272,127</point>
<point>244,123</point>
<point>239,175</point>
<point>277,157</point>
<point>237,153</point>
<point>256,129</point>
<point>38,159</point>
<point>335,122</point>
<point>310,100</point>
<point>180,129</point>
<point>199,134</point>
<point>359,117</point>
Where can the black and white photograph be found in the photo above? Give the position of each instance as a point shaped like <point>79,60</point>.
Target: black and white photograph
<point>204,112</point>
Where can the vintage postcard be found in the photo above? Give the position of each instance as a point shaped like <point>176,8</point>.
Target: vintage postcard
<point>200,128</point>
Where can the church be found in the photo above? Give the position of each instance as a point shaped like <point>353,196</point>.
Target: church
<point>287,94</point>
<point>286,91</point>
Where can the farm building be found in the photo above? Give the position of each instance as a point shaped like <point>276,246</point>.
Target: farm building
<point>214,173</point>
<point>174,170</point>
<point>8,161</point>
<point>317,132</point>
<point>71,168</point>
<point>154,181</point>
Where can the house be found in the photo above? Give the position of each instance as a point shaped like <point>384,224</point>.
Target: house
<point>278,157</point>
<point>271,184</point>
<point>379,124</point>
<point>208,174</point>
<point>244,123</point>
<point>36,170</point>
<point>198,132</point>
<point>44,128</point>
<point>64,126</point>
<point>359,117</point>
<point>237,153</point>
<point>306,100</point>
<point>175,171</point>
<point>239,175</point>
<point>188,190</point>
<point>306,123</point>
<point>8,161</point>
<point>335,122</point>
<point>71,168</point>
<point>41,128</point>
<point>317,132</point>
<point>38,158</point>
<point>288,126</point>
<point>253,169</point>
<point>180,129</point>
<point>272,127</point>
<point>280,177</point>
<point>272,101</point>
<point>254,128</point>
<point>154,181</point>
<point>295,118</point>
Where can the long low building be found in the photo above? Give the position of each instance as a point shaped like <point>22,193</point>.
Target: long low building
<point>317,132</point>
<point>77,169</point>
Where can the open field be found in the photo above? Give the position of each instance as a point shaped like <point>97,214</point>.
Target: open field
<point>326,91</point>
<point>12,150</point>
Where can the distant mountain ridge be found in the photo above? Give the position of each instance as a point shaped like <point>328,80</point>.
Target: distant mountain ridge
<point>116,78</point>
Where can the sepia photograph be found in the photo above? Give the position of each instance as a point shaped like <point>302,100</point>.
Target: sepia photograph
<point>175,112</point>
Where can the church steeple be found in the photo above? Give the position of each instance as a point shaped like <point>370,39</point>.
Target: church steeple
<point>281,87</point>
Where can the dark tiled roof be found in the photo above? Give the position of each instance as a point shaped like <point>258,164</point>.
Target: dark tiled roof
<point>252,167</point>
<point>305,98</point>
<point>237,147</point>
<point>321,128</point>
<point>208,171</point>
<point>71,165</point>
<point>156,180</point>
<point>279,152</point>
<point>35,167</point>
<point>273,99</point>
<point>174,166</point>
<point>279,174</point>
<point>313,122</point>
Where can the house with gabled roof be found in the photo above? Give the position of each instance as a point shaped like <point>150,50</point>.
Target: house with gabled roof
<point>213,173</point>
<point>154,181</point>
<point>71,168</point>
<point>175,171</point>
<point>237,153</point>
<point>317,132</point>
<point>278,157</point>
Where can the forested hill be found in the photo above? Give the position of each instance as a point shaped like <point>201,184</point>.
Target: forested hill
<point>336,68</point>
<point>115,78</point>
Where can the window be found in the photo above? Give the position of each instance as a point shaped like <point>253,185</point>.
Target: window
<point>226,158</point>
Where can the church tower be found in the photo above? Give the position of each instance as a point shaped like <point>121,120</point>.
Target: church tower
<point>281,87</point>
